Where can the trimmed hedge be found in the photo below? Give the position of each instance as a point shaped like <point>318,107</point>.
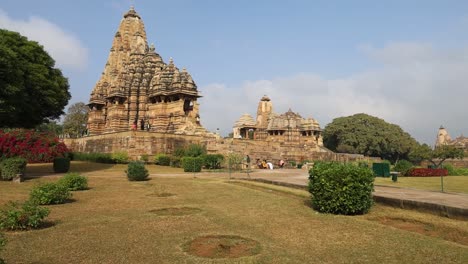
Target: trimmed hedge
<point>341,188</point>
<point>20,216</point>
<point>74,182</point>
<point>120,157</point>
<point>192,164</point>
<point>403,166</point>
<point>93,157</point>
<point>136,171</point>
<point>12,166</point>
<point>423,172</point>
<point>162,159</point>
<point>61,165</point>
<point>49,193</point>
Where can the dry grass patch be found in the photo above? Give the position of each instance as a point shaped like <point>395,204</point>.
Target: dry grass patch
<point>111,223</point>
<point>175,211</point>
<point>222,246</point>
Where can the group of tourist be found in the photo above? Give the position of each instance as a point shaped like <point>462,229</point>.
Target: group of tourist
<point>264,164</point>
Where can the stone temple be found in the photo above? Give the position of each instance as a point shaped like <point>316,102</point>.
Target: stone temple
<point>138,89</point>
<point>144,106</point>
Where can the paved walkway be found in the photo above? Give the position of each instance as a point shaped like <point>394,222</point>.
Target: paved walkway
<point>446,204</point>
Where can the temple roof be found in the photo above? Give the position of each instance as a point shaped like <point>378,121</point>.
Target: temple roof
<point>132,13</point>
<point>245,120</point>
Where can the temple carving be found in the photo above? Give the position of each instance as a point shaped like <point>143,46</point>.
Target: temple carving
<point>443,138</point>
<point>138,90</point>
<point>289,127</point>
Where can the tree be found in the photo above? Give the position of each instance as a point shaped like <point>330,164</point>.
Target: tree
<point>75,120</point>
<point>368,135</point>
<point>50,126</point>
<point>435,156</point>
<point>31,89</point>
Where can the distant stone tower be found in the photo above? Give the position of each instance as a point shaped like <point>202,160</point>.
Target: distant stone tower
<point>264,111</point>
<point>138,89</point>
<point>443,137</point>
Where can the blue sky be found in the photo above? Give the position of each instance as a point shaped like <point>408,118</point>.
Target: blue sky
<point>404,61</point>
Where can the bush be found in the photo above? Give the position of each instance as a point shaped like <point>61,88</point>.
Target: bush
<point>234,161</point>
<point>162,159</point>
<point>2,242</point>
<point>61,165</point>
<point>49,193</point>
<point>194,150</point>
<point>74,182</point>
<point>136,171</point>
<point>32,145</point>
<point>192,164</point>
<point>423,172</point>
<point>144,158</point>
<point>341,188</point>
<point>175,162</point>
<point>12,166</point>
<point>403,166</point>
<point>93,157</point>
<point>179,152</point>
<point>212,161</point>
<point>120,157</point>
<point>20,216</point>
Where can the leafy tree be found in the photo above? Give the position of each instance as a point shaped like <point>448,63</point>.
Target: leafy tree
<point>368,135</point>
<point>435,156</point>
<point>51,127</point>
<point>75,120</point>
<point>31,89</point>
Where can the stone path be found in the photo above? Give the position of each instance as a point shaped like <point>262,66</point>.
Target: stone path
<point>447,204</point>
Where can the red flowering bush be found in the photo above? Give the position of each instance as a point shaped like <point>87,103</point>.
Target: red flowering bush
<point>422,172</point>
<point>34,146</point>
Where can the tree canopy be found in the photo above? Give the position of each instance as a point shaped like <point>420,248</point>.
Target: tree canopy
<point>31,89</point>
<point>368,135</point>
<point>75,120</point>
<point>435,156</point>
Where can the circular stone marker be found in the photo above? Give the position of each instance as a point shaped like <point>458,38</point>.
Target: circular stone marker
<point>176,211</point>
<point>222,246</point>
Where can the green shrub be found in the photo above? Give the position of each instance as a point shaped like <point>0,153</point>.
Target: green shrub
<point>175,161</point>
<point>93,157</point>
<point>461,171</point>
<point>136,171</point>
<point>192,164</point>
<point>20,216</point>
<point>212,161</point>
<point>144,158</point>
<point>234,161</point>
<point>2,242</point>
<point>50,193</point>
<point>179,152</point>
<point>61,165</point>
<point>12,166</point>
<point>292,163</point>
<point>194,150</point>
<point>74,182</point>
<point>403,166</point>
<point>162,159</point>
<point>120,157</point>
<point>341,188</point>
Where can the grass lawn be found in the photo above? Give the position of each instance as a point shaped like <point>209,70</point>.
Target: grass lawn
<point>117,221</point>
<point>457,184</point>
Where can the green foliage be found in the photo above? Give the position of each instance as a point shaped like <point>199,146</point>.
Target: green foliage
<point>452,171</point>
<point>12,166</point>
<point>49,193</point>
<point>93,157</point>
<point>212,161</point>
<point>234,161</point>
<point>176,161</point>
<point>341,188</point>
<point>368,135</point>
<point>144,158</point>
<point>403,166</point>
<point>179,152</point>
<point>162,159</point>
<point>192,164</point>
<point>32,89</point>
<point>2,242</point>
<point>436,156</point>
<point>21,216</point>
<point>74,181</point>
<point>74,123</point>
<point>120,157</point>
<point>61,165</point>
<point>50,126</point>
<point>194,150</point>
<point>136,171</point>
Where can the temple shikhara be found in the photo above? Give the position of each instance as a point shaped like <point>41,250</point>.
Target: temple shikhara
<point>443,138</point>
<point>138,89</point>
<point>145,106</point>
<point>287,127</point>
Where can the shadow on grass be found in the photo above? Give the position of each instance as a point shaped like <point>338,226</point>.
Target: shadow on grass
<point>46,169</point>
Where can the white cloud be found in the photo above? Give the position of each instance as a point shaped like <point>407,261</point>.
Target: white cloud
<point>65,48</point>
<point>415,86</point>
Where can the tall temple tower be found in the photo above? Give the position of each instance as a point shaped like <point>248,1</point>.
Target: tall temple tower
<point>138,89</point>
<point>443,137</point>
